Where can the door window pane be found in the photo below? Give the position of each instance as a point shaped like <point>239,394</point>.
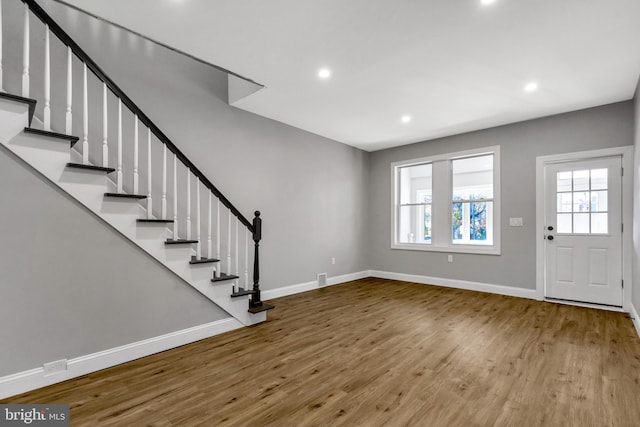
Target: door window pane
<point>565,201</point>
<point>564,181</point>
<point>564,223</point>
<point>599,223</point>
<point>583,193</point>
<point>599,179</point>
<point>599,201</point>
<point>581,223</point>
<point>580,180</point>
<point>581,201</point>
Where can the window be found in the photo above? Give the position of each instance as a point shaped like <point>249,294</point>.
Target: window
<point>415,204</point>
<point>582,206</point>
<point>472,200</point>
<point>447,203</point>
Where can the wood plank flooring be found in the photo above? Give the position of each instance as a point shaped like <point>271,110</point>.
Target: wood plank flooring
<point>377,352</point>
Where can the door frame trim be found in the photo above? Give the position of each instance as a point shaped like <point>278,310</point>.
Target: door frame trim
<point>626,153</point>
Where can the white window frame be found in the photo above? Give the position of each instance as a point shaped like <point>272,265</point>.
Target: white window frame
<point>442,204</point>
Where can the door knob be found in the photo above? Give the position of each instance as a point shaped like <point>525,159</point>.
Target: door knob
<point>550,228</point>
<point>550,237</point>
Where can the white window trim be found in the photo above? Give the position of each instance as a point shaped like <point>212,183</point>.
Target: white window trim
<point>439,242</point>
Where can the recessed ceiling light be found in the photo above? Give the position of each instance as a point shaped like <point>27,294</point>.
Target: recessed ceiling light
<point>324,73</point>
<point>531,87</point>
<point>487,2</point>
<point>405,119</point>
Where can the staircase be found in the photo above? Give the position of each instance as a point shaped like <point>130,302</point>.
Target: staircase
<point>164,203</point>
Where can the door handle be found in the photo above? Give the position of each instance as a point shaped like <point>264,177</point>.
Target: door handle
<point>549,237</point>
<point>550,228</point>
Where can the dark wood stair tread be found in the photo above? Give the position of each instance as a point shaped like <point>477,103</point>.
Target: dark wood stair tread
<point>241,292</point>
<point>179,241</point>
<point>72,139</point>
<point>260,308</point>
<point>90,167</point>
<point>30,102</point>
<point>125,196</point>
<point>224,277</point>
<point>155,221</point>
<point>202,260</point>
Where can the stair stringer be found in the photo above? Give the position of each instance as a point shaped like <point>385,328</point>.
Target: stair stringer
<point>49,156</point>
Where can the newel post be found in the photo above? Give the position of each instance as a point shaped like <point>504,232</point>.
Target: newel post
<point>257,236</point>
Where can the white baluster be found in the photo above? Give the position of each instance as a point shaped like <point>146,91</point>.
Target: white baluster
<point>105,128</point>
<point>149,199</point>
<point>1,79</point>
<point>119,172</point>
<point>198,245</point>
<point>229,267</point>
<point>85,117</point>
<point>209,247</point>
<point>47,80</point>
<point>237,248</point>
<point>188,204</point>
<point>68,115</point>
<point>246,258</point>
<point>136,177</point>
<point>25,54</point>
<point>218,232</point>
<point>164,182</point>
<point>175,196</point>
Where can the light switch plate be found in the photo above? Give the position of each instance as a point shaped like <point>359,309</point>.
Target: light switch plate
<point>515,222</point>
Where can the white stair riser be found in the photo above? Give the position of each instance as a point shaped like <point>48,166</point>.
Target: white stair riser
<point>153,232</point>
<point>47,155</point>
<point>14,117</point>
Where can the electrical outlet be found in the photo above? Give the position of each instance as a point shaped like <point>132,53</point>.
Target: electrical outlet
<point>322,279</point>
<point>449,258</point>
<point>333,261</point>
<point>55,367</point>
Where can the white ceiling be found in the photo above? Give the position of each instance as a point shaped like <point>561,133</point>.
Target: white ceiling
<point>453,65</point>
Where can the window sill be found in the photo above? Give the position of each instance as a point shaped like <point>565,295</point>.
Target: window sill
<point>464,249</point>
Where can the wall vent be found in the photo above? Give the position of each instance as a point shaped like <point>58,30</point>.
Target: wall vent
<point>322,280</point>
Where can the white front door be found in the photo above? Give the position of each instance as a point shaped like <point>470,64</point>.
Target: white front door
<point>583,231</point>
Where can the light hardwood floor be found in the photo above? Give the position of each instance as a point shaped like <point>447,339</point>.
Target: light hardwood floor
<point>377,352</point>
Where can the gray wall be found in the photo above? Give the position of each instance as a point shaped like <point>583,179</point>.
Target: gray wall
<point>520,143</point>
<point>70,285</point>
<point>320,199</point>
<point>636,203</point>
<point>308,188</point>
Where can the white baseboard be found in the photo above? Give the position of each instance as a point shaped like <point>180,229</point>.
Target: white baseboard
<point>458,284</point>
<point>308,286</point>
<point>634,318</point>
<point>35,378</point>
<point>427,280</point>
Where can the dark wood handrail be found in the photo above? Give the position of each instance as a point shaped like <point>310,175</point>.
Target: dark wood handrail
<point>81,54</point>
